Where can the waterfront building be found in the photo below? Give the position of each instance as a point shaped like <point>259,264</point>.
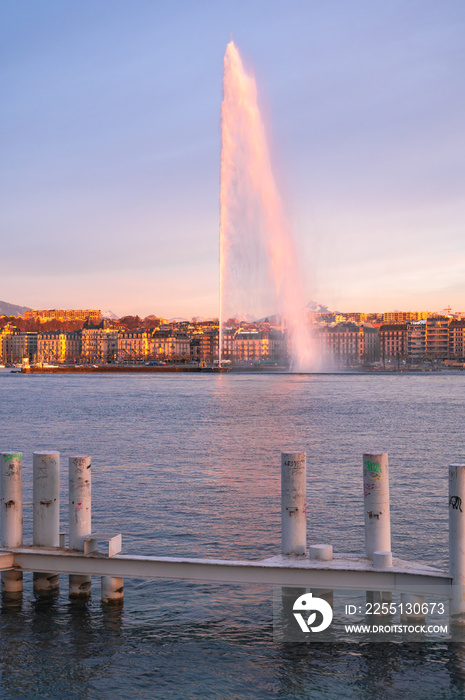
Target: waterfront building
<point>416,341</point>
<point>4,333</point>
<point>18,345</point>
<point>370,346</point>
<point>349,344</point>
<point>58,346</point>
<point>259,346</point>
<point>254,345</point>
<point>227,343</point>
<point>99,344</point>
<point>247,346</point>
<point>161,345</point>
<point>457,340</point>
<point>209,343</point>
<point>343,343</point>
<point>393,342</point>
<point>437,338</point>
<point>133,346</point>
<point>182,347</point>
<point>194,348</point>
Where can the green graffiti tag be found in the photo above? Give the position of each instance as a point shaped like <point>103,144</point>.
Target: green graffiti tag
<point>372,467</point>
<point>8,458</point>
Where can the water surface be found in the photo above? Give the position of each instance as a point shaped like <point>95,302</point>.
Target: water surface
<point>190,466</point>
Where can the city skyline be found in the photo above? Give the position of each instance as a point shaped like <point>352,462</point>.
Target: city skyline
<point>94,315</point>
<point>111,144</point>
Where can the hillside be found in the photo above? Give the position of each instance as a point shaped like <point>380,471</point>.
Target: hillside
<point>7,309</point>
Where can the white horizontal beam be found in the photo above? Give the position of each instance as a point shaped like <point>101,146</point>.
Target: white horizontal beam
<point>344,572</point>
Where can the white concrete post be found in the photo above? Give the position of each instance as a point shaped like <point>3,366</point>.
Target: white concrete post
<point>293,502</point>
<point>79,517</point>
<point>457,541</point>
<point>376,503</point>
<point>112,590</point>
<point>11,514</point>
<point>46,512</point>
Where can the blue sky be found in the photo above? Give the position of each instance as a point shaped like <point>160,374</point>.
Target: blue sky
<point>110,146</point>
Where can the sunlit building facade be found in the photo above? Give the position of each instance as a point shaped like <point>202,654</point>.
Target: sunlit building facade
<point>93,315</point>
<point>457,340</point>
<point>58,346</point>
<point>19,345</point>
<point>437,338</point>
<point>416,341</point>
<point>393,342</point>
<point>133,346</point>
<point>99,345</point>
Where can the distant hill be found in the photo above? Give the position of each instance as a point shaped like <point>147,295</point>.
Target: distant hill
<point>7,309</point>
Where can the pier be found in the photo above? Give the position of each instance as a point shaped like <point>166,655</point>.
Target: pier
<point>99,553</point>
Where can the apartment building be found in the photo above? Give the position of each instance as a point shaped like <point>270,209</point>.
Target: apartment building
<point>161,345</point>
<point>254,345</point>
<point>457,340</point>
<point>209,344</point>
<point>437,338</point>
<point>393,341</point>
<point>4,333</point>
<point>58,346</point>
<point>17,345</point>
<point>99,345</point>
<point>416,341</point>
<point>349,344</point>
<point>133,346</point>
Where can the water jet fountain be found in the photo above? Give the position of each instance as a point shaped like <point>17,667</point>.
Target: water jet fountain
<point>259,270</point>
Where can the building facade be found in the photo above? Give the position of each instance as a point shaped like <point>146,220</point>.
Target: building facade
<point>393,342</point>
<point>59,346</point>
<point>93,315</point>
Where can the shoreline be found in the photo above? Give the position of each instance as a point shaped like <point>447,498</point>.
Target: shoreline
<point>99,369</point>
<point>183,369</point>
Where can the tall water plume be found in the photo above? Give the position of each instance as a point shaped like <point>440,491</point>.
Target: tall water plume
<point>259,270</point>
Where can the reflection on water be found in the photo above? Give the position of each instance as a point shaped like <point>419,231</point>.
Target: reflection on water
<point>191,466</point>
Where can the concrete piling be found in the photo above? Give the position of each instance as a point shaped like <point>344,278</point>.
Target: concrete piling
<point>293,502</point>
<point>457,541</point>
<point>112,590</point>
<point>11,515</point>
<point>376,503</point>
<point>377,516</point>
<point>46,512</point>
<point>80,516</point>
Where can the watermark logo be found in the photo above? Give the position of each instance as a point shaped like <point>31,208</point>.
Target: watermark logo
<point>308,604</point>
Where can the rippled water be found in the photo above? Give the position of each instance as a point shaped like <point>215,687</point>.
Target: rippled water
<point>190,465</point>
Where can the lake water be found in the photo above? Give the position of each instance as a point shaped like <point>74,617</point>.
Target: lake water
<point>189,465</point>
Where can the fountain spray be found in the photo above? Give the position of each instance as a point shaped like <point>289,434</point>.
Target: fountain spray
<point>256,241</point>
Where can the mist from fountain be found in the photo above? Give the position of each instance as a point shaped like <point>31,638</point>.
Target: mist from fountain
<point>259,270</point>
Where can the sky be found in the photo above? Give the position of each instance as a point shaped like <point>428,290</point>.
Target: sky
<point>110,149</point>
